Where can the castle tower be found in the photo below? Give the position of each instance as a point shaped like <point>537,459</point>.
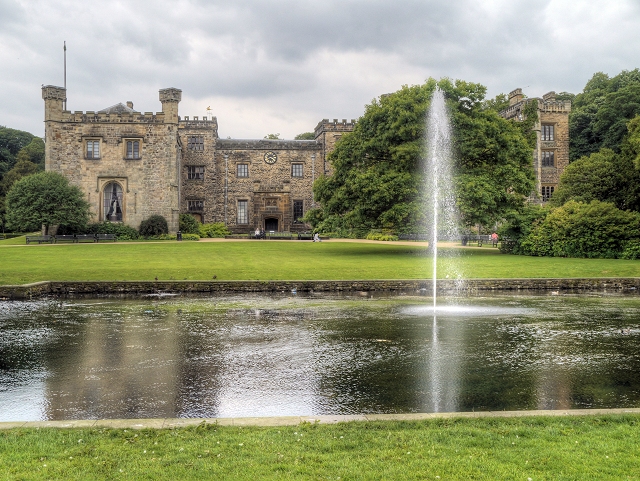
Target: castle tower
<point>54,98</point>
<point>328,133</point>
<point>170,98</point>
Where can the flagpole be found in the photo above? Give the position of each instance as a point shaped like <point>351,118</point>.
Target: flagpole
<point>65,75</point>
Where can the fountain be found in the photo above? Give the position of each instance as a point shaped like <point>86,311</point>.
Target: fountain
<point>439,192</point>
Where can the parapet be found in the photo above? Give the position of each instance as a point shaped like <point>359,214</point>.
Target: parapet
<point>515,96</point>
<point>51,92</point>
<point>170,94</point>
<point>325,125</point>
<point>267,144</point>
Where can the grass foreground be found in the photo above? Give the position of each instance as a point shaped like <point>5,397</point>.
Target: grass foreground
<point>533,448</point>
<point>282,260</point>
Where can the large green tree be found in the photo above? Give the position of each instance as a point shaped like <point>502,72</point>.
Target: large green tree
<point>46,199</point>
<point>11,142</point>
<point>601,111</point>
<point>377,174</point>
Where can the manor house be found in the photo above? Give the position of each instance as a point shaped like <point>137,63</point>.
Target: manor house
<point>551,153</point>
<point>132,165</point>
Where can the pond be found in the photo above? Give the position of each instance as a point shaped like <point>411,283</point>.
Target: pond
<point>260,355</point>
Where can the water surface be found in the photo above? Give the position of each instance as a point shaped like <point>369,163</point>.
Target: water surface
<point>295,355</point>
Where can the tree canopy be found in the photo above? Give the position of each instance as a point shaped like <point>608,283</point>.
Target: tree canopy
<point>305,136</point>
<point>601,111</point>
<point>46,198</point>
<point>377,175</point>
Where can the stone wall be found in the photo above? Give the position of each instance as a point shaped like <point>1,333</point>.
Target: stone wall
<point>69,288</point>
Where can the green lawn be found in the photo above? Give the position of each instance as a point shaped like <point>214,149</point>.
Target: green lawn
<point>280,260</point>
<point>535,448</point>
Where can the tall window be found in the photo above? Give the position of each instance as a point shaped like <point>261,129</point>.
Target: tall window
<point>133,149</point>
<point>93,149</point>
<point>195,172</point>
<point>547,132</point>
<point>548,158</point>
<point>297,211</point>
<point>296,170</point>
<point>243,170</point>
<point>243,213</point>
<point>195,205</point>
<point>547,191</point>
<point>112,202</point>
<point>195,143</point>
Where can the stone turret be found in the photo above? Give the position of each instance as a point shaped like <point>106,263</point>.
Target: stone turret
<point>515,96</point>
<point>170,98</point>
<point>54,98</point>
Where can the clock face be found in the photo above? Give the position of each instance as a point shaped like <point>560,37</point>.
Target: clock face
<point>270,157</point>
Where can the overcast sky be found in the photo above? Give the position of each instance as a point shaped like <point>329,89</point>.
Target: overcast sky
<point>281,66</point>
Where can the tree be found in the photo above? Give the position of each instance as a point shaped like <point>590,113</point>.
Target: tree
<point>305,136</point>
<point>377,175</point>
<point>11,142</point>
<point>46,199</point>
<point>272,136</point>
<point>601,112</point>
<point>33,152</point>
<point>22,169</point>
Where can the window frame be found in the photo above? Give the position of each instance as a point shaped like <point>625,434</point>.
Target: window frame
<point>93,143</point>
<point>294,170</point>
<point>546,191</point>
<point>548,158</point>
<point>133,143</point>
<point>244,220</point>
<point>195,205</point>
<point>194,174</point>
<point>195,143</point>
<point>245,171</point>
<point>547,133</point>
<point>297,202</point>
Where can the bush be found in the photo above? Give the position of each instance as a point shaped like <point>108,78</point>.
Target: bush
<point>155,225</point>
<point>631,250</point>
<point>379,236</point>
<point>593,230</point>
<point>189,225</point>
<point>216,229</point>
<point>121,231</point>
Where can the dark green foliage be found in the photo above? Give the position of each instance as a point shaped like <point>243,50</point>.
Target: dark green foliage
<point>216,229</point>
<point>121,231</point>
<point>305,136</point>
<point>377,171</point>
<point>11,142</point>
<point>45,198</point>
<point>600,113</point>
<point>577,229</point>
<point>21,169</point>
<point>153,226</point>
<point>189,224</point>
<point>517,225</point>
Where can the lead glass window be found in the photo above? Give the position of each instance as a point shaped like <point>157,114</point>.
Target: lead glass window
<point>133,149</point>
<point>243,170</point>
<point>195,172</point>
<point>93,149</point>
<point>195,205</point>
<point>547,192</point>
<point>243,213</point>
<point>548,158</point>
<point>547,132</point>
<point>296,170</point>
<point>298,211</point>
<point>112,202</point>
<point>195,143</point>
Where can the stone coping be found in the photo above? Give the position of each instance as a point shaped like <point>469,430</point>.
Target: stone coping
<point>170,423</point>
<point>136,288</point>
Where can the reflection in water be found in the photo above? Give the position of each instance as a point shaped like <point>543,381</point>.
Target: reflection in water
<point>259,356</point>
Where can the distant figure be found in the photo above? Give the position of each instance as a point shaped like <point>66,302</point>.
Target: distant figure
<point>262,234</point>
<point>494,239</point>
<point>257,232</point>
<point>316,237</point>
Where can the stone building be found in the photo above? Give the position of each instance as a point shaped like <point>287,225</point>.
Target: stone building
<point>551,153</point>
<point>132,165</point>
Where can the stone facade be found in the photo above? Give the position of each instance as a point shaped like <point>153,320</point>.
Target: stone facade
<point>551,154</point>
<point>132,165</point>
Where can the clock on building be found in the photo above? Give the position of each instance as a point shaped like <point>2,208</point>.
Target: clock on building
<point>270,157</point>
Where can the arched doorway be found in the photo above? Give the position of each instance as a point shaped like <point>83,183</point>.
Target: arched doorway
<point>112,207</point>
<point>271,224</point>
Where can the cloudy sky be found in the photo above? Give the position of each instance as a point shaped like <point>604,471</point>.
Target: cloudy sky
<point>280,66</point>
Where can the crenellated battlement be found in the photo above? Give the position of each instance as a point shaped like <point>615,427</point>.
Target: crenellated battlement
<point>91,117</point>
<point>325,125</point>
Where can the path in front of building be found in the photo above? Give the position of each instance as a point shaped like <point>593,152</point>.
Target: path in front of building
<point>296,420</point>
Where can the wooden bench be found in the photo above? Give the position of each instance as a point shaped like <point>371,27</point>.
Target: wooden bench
<point>305,236</point>
<point>109,237</point>
<point>85,238</point>
<point>64,238</point>
<point>279,235</point>
<point>38,238</point>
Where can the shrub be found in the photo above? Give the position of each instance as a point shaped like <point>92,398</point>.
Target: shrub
<point>216,229</point>
<point>631,250</point>
<point>381,237</point>
<point>189,225</point>
<point>593,230</point>
<point>121,231</point>
<point>154,226</point>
